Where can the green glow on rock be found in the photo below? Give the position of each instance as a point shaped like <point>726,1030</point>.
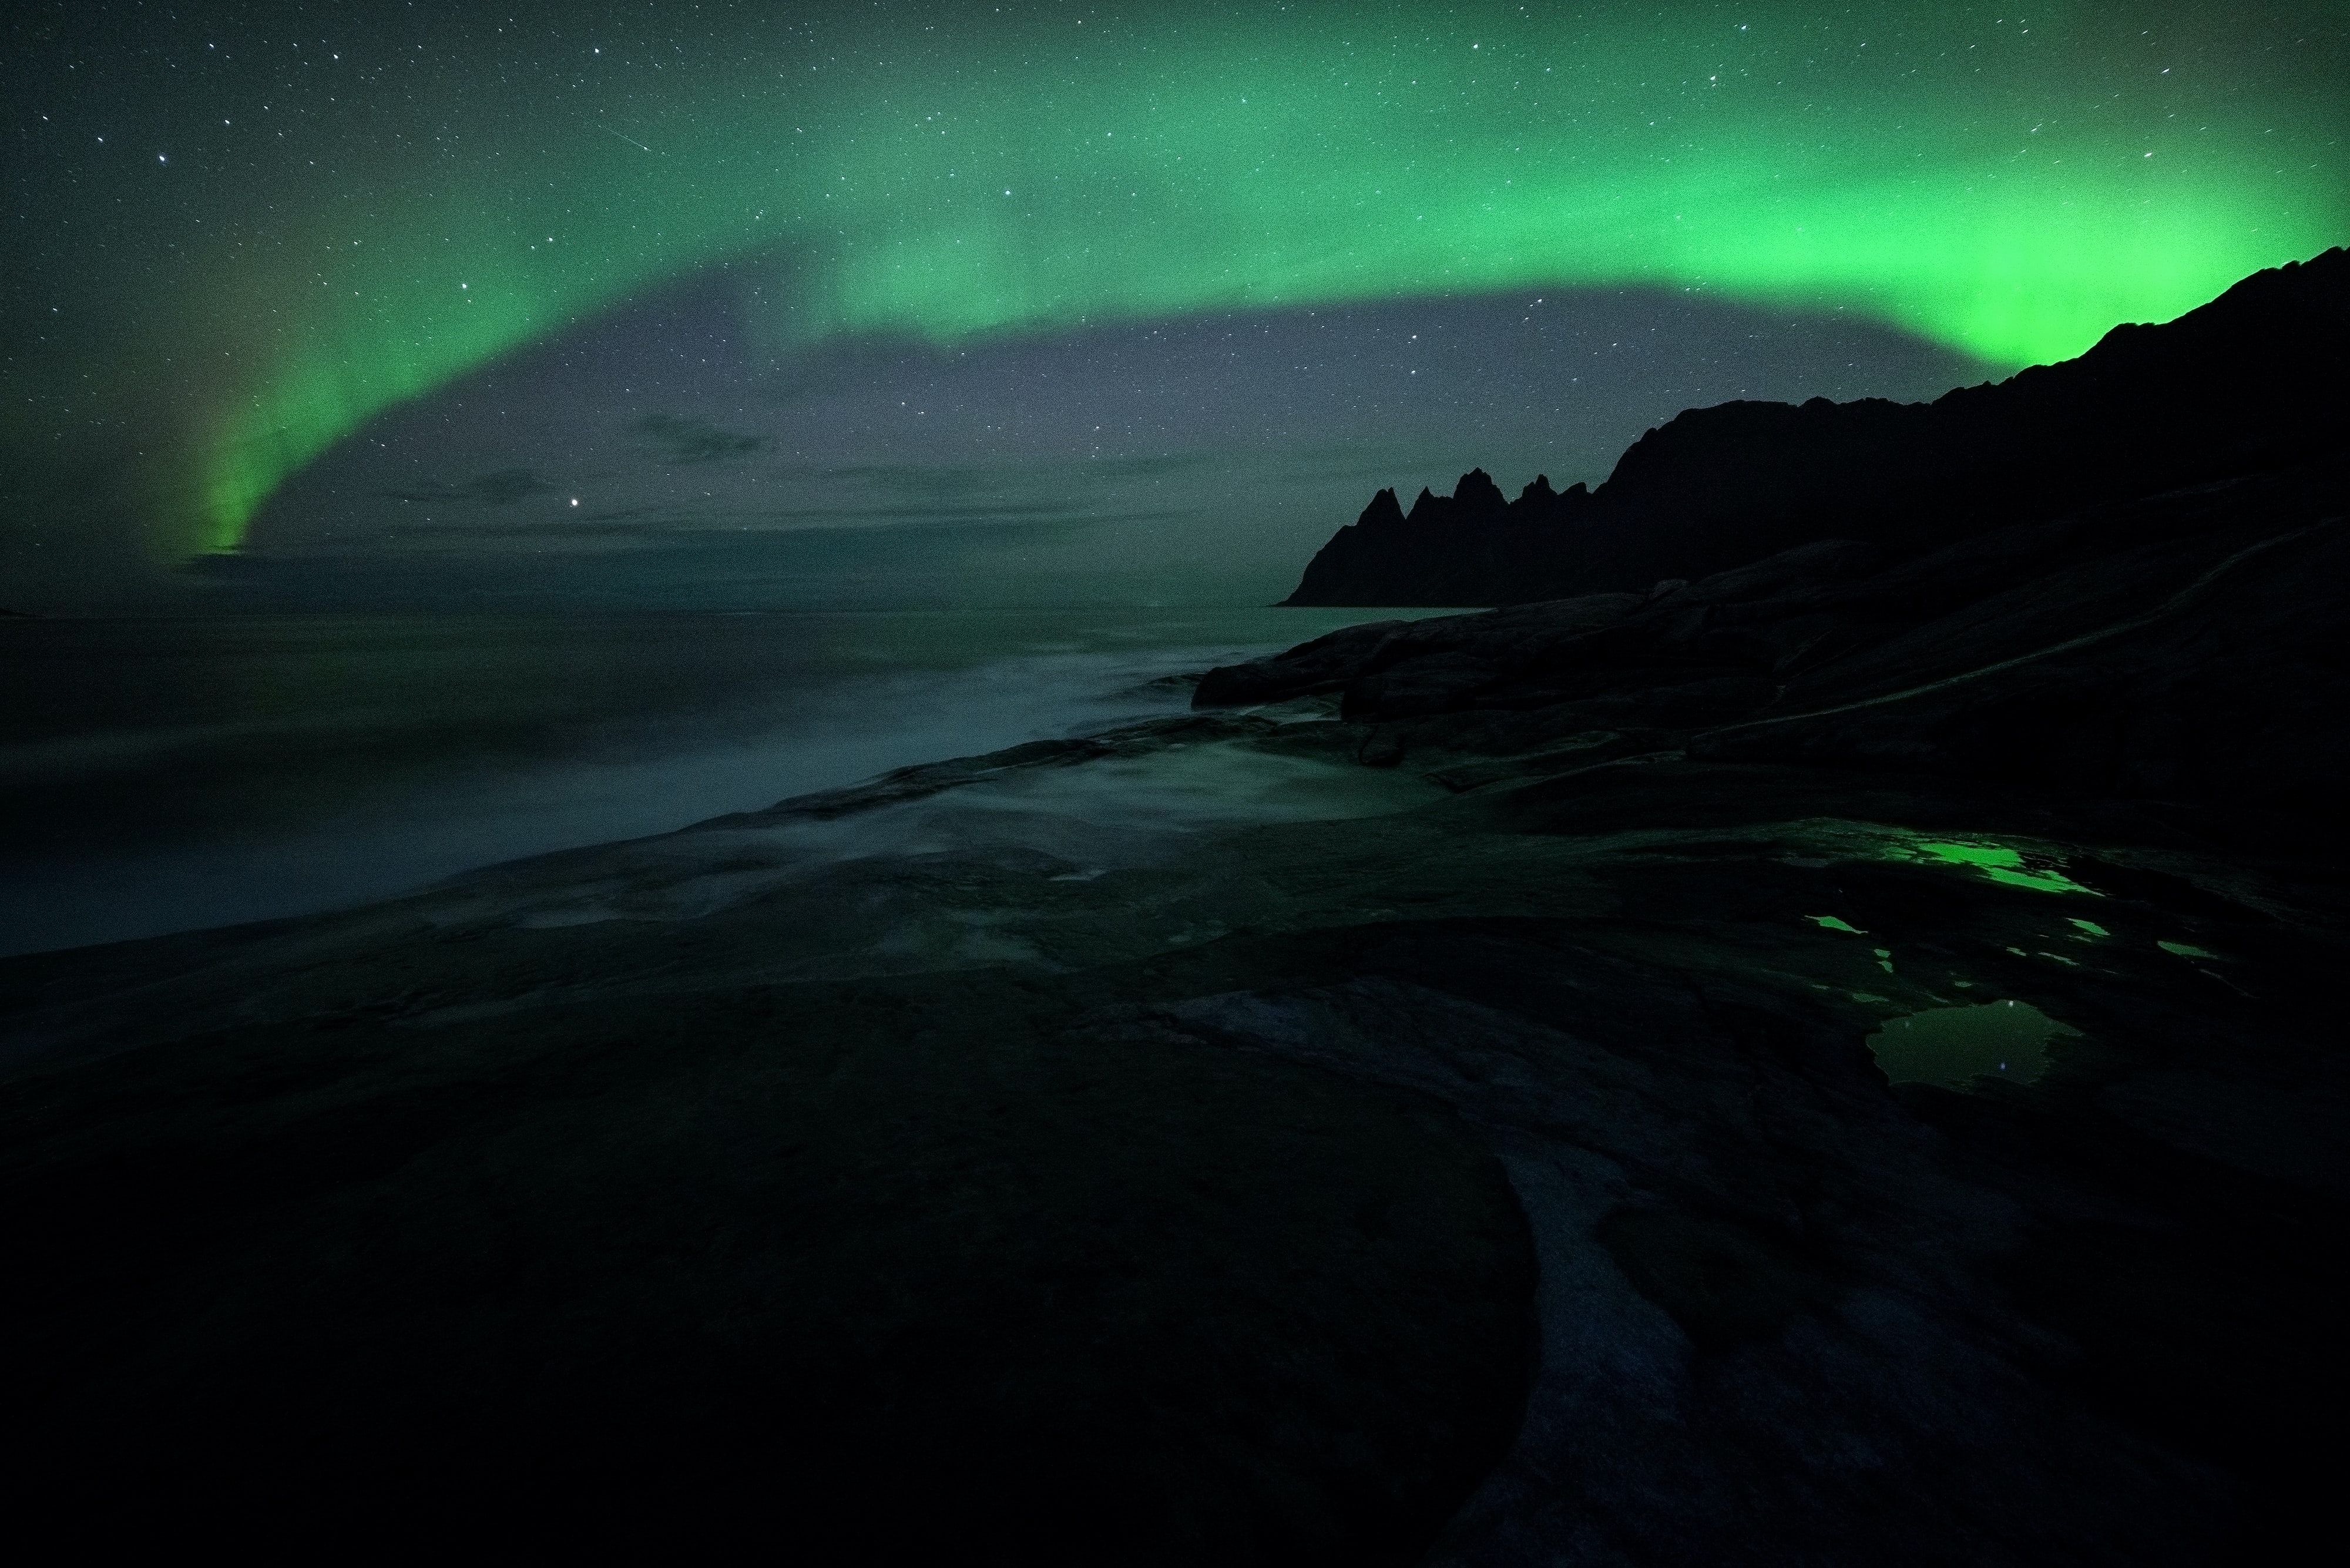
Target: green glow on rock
<point>2188,950</point>
<point>2009,190</point>
<point>2091,927</point>
<point>1997,862</point>
<point>1833,924</point>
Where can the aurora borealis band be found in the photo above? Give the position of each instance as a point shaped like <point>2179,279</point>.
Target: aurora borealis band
<point>239,233</point>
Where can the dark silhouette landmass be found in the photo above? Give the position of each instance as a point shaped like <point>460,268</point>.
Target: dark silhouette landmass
<point>2182,645</point>
<point>2252,380</point>
<point>1836,1060</point>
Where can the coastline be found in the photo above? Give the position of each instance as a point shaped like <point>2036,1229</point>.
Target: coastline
<point>1573,1029</point>
<point>195,772</point>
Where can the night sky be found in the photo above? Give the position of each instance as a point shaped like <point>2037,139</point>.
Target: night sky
<point>357,287</point>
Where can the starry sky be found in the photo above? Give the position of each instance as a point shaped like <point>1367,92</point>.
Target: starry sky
<point>390,284</point>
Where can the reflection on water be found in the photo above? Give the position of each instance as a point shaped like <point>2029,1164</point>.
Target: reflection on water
<point>1954,1046</point>
<point>1999,862</point>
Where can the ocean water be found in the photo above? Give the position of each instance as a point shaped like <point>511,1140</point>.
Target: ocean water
<point>174,774</point>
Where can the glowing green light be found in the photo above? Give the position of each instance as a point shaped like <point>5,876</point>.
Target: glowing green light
<point>1833,924</point>
<point>1997,862</point>
<point>2011,195</point>
<point>2091,927</point>
<point>2188,950</point>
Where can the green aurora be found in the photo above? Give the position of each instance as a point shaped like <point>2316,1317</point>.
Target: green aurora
<point>2009,186</point>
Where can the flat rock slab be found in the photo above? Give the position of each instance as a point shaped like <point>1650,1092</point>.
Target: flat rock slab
<point>860,1272</point>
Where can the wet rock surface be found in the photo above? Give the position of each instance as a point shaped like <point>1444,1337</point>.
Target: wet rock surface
<point>2110,1347</point>
<point>1500,1178</point>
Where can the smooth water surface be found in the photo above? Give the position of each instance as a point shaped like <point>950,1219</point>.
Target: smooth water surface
<point>168,774</point>
<point>1953,1046</point>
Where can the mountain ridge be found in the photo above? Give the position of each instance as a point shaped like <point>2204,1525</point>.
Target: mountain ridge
<point>2245,382</point>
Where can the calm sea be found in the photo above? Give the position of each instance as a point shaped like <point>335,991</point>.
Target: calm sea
<point>167,775</point>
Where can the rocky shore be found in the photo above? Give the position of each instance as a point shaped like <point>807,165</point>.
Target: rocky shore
<point>1465,1106</point>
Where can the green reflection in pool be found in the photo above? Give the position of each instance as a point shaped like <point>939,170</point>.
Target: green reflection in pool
<point>1954,1046</point>
<point>2042,873</point>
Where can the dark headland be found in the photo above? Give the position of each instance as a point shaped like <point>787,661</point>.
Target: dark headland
<point>1818,1040</point>
<point>2251,381</point>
